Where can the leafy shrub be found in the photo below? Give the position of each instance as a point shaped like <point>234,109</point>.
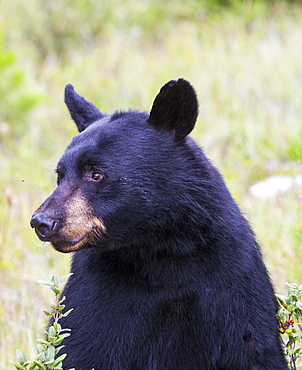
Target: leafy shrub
<point>48,347</point>
<point>290,323</point>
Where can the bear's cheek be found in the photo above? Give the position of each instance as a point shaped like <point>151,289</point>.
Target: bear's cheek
<point>79,225</point>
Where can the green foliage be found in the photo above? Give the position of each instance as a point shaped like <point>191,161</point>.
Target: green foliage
<point>17,100</point>
<point>47,349</point>
<point>55,29</point>
<point>290,318</point>
<point>294,149</point>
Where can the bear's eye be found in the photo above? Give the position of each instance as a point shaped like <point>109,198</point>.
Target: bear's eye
<point>94,176</point>
<point>97,176</point>
<point>91,173</point>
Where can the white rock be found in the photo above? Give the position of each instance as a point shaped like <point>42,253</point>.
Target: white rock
<point>274,185</point>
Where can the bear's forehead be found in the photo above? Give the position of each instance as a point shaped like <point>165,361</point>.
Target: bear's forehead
<point>112,135</point>
<point>118,126</point>
<point>90,136</point>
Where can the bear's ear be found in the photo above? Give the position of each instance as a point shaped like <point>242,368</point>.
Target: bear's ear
<point>175,108</point>
<point>82,111</point>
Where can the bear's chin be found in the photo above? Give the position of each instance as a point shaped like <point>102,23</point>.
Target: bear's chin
<point>68,246</point>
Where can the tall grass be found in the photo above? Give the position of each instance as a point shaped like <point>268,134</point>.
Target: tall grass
<point>246,65</point>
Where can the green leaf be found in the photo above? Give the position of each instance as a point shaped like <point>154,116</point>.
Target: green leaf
<point>51,331</point>
<point>19,367</point>
<point>62,300</point>
<point>20,357</point>
<point>45,282</point>
<point>290,351</point>
<point>54,280</point>
<point>55,290</point>
<point>50,354</point>
<point>292,285</point>
<point>59,360</point>
<point>43,341</point>
<point>32,366</point>
<point>61,338</point>
<point>47,313</point>
<point>67,312</point>
<point>282,300</point>
<point>298,310</point>
<point>281,316</point>
<point>41,357</point>
<point>57,327</point>
<point>39,364</point>
<point>58,349</point>
<point>64,278</point>
<point>293,298</point>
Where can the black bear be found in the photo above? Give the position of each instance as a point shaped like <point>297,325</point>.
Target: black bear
<point>166,271</point>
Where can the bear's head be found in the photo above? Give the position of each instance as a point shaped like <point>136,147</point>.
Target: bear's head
<point>127,178</point>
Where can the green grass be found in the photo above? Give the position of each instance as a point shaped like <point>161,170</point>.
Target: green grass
<point>246,65</point>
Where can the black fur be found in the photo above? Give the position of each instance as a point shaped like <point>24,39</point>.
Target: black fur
<point>175,280</point>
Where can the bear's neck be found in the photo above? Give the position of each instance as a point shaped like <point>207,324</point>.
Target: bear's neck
<point>143,266</point>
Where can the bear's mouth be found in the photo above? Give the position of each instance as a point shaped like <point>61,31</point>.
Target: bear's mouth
<point>62,242</point>
<point>80,242</point>
<point>73,245</point>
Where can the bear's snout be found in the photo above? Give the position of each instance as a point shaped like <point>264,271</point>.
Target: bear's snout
<point>44,225</point>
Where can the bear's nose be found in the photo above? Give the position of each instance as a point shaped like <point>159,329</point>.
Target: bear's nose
<point>44,225</point>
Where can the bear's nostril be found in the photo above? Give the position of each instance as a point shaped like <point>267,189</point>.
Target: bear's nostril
<point>44,228</point>
<point>44,225</point>
<point>54,225</point>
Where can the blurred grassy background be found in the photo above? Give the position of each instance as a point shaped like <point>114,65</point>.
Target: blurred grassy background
<point>245,62</point>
